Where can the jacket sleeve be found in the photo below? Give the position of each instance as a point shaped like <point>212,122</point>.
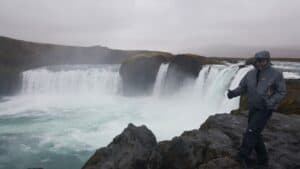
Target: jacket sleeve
<point>242,88</point>
<point>279,93</point>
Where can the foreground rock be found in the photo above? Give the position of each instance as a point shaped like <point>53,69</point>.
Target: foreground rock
<point>131,149</point>
<point>210,147</point>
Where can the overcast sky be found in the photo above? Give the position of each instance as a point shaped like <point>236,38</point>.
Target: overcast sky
<point>198,26</point>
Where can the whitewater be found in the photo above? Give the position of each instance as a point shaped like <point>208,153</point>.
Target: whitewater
<point>64,113</point>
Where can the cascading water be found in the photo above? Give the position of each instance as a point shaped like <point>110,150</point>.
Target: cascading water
<point>228,105</point>
<point>158,86</point>
<point>64,113</point>
<point>96,80</point>
<point>212,85</point>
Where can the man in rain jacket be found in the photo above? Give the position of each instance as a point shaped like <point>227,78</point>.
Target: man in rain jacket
<point>264,87</point>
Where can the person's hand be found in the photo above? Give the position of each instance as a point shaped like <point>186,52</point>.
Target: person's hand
<point>230,94</point>
<point>269,105</point>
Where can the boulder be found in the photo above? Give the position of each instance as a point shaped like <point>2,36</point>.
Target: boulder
<point>212,146</point>
<point>130,150</point>
<point>139,72</point>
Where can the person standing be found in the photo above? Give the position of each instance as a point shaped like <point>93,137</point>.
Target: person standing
<point>265,88</point>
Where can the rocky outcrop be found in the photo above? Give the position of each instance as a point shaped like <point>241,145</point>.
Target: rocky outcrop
<point>290,103</point>
<point>213,146</point>
<point>184,68</point>
<point>28,55</point>
<point>139,72</point>
<point>10,80</point>
<point>130,150</point>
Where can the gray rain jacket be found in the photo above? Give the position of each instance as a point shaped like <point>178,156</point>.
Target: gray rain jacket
<point>265,93</point>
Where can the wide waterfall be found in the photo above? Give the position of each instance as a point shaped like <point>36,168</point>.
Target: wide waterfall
<point>72,80</point>
<point>64,113</point>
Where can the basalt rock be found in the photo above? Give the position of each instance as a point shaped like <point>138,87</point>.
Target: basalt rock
<point>212,146</point>
<point>130,150</point>
<point>139,72</point>
<point>184,68</point>
<point>10,80</point>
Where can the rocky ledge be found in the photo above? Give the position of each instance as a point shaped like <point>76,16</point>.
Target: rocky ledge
<point>139,71</point>
<point>212,146</point>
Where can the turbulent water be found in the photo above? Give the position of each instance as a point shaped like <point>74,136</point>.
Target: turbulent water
<point>64,113</point>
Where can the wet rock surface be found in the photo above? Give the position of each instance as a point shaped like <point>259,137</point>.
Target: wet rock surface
<point>184,68</point>
<point>129,150</point>
<point>139,73</point>
<point>212,146</point>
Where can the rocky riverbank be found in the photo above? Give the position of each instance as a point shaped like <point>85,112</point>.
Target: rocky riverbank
<point>212,146</point>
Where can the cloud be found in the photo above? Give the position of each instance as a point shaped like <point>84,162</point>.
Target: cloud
<point>170,25</point>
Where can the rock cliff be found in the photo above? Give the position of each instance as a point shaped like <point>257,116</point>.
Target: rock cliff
<point>212,146</point>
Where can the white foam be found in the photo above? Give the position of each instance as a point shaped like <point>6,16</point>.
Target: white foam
<point>159,82</point>
<point>291,75</point>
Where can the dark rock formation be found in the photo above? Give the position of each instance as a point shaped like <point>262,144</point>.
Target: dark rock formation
<point>184,68</point>
<point>29,55</point>
<point>139,72</point>
<point>130,150</point>
<point>210,147</point>
<point>10,80</point>
<point>290,103</point>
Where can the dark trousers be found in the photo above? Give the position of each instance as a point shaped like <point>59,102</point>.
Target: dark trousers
<point>252,138</point>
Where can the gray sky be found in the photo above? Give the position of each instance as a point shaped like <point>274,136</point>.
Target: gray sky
<point>199,26</point>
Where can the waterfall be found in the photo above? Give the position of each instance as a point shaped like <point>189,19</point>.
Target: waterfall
<point>211,86</point>
<point>201,80</point>
<point>228,105</point>
<point>160,79</point>
<point>209,89</point>
<point>63,80</point>
<point>71,110</point>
